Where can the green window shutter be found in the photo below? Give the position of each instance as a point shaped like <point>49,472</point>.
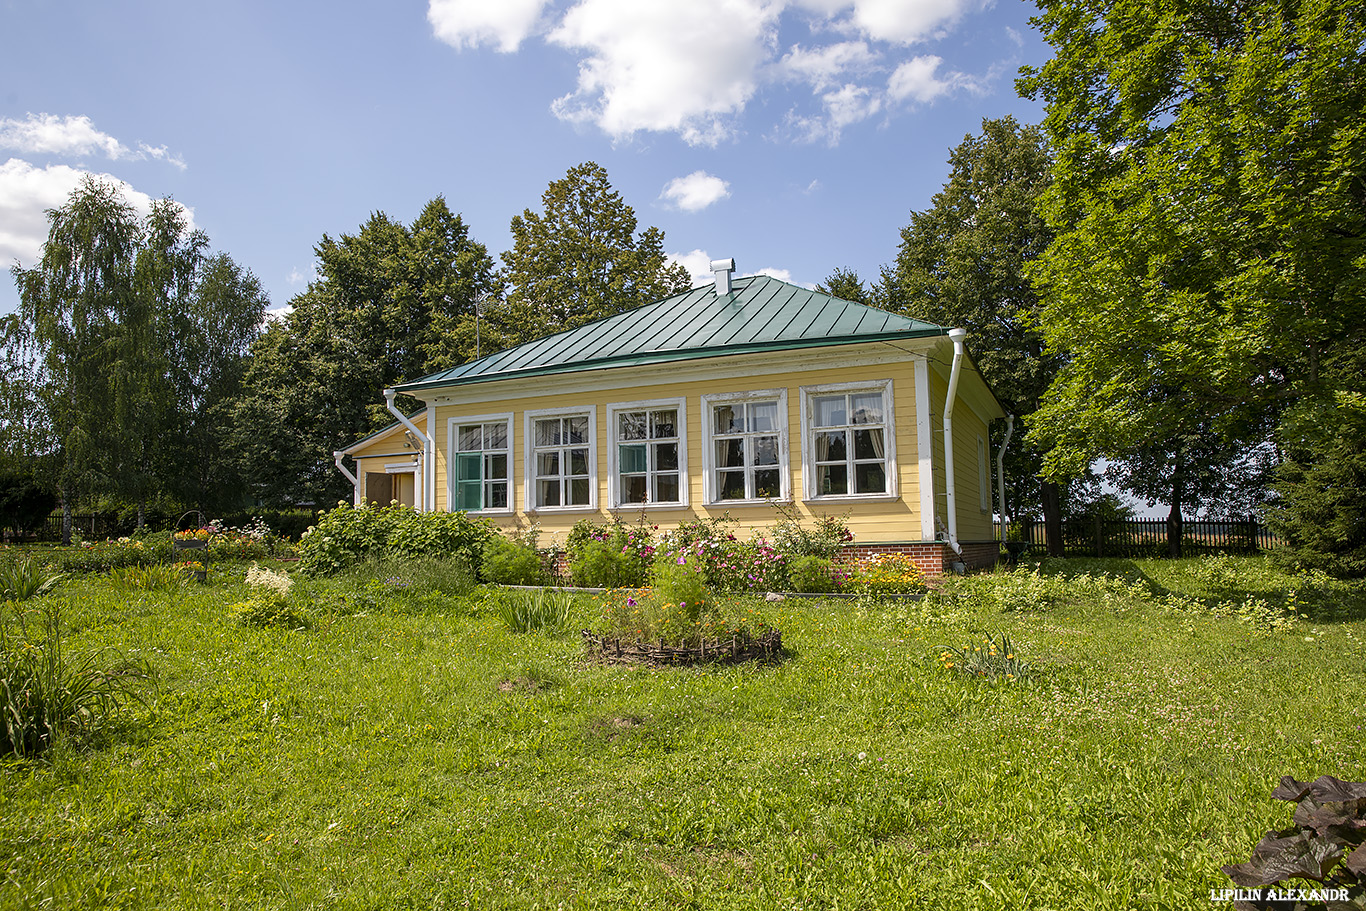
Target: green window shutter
<point>469,478</point>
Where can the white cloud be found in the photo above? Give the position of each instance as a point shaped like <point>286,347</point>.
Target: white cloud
<point>695,192</point>
<point>693,68</point>
<point>780,274</point>
<point>299,276</point>
<point>826,66</point>
<point>470,23</point>
<point>48,134</point>
<point>698,264</point>
<point>27,192</point>
<point>918,80</point>
<point>674,67</point>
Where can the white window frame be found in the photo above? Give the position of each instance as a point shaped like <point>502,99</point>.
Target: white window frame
<point>709,402</point>
<point>808,394</point>
<point>452,431</point>
<point>529,457</point>
<point>983,476</point>
<point>614,453</point>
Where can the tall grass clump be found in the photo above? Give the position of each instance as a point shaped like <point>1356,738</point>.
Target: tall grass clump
<point>539,610</point>
<point>148,578</point>
<point>270,603</point>
<point>25,579</point>
<point>44,695</point>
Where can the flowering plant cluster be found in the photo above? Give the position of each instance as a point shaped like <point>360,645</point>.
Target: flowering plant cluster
<point>195,534</point>
<point>190,566</point>
<point>650,615</point>
<point>610,556</point>
<point>885,574</point>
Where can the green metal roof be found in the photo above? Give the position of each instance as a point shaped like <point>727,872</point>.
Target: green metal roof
<point>760,314</point>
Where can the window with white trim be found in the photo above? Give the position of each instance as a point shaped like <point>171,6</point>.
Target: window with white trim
<point>649,453</point>
<point>746,446</point>
<point>562,469</point>
<point>481,451</point>
<point>848,442</point>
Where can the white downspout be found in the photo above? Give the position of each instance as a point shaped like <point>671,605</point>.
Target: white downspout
<point>951,502</point>
<point>337,456</point>
<point>421,437</point>
<point>1001,474</point>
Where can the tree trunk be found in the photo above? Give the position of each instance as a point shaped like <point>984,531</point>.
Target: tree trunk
<point>1052,517</point>
<point>66,517</point>
<point>1174,517</point>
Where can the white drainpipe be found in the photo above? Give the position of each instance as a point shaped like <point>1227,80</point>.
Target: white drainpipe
<point>1001,474</point>
<point>951,504</point>
<point>421,437</point>
<point>337,456</point>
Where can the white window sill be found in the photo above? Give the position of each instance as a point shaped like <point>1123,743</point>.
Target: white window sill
<point>854,498</point>
<point>556,510</point>
<point>769,501</point>
<point>647,507</point>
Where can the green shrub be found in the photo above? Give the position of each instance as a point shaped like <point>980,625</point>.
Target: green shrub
<point>105,556</point>
<point>609,556</point>
<point>544,610</point>
<point>25,579</point>
<point>270,603</point>
<point>45,696</point>
<point>347,534</point>
<point>678,581</point>
<point>812,575</point>
<point>509,562</point>
<point>825,537</point>
<point>642,614</point>
<point>886,574</point>
<point>727,563</point>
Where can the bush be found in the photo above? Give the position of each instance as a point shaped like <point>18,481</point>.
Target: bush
<point>348,534</point>
<point>886,574</point>
<point>678,581</point>
<point>825,538</point>
<point>270,603</point>
<point>109,555</point>
<point>43,695</point>
<point>25,501</point>
<point>509,562</point>
<point>609,556</point>
<point>812,575</point>
<point>727,563</point>
<point>644,615</point>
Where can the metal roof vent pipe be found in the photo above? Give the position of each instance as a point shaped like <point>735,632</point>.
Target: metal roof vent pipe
<point>722,268</point>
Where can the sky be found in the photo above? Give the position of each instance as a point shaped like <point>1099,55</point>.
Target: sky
<point>793,135</point>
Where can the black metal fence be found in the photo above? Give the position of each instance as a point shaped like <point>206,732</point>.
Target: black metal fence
<point>1092,537</point>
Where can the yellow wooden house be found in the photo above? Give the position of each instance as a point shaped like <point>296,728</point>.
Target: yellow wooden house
<point>724,400</point>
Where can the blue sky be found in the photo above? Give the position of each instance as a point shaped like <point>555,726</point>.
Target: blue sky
<point>793,135</point>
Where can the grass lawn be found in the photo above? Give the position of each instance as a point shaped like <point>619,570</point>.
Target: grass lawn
<point>410,752</point>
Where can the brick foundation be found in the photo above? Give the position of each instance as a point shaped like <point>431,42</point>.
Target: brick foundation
<point>933,558</point>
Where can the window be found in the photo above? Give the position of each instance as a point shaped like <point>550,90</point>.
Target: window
<point>649,453</point>
<point>747,446</point>
<point>481,450</point>
<point>847,440</point>
<point>561,458</point>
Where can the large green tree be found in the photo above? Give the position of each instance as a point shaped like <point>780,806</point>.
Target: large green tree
<point>580,258</point>
<point>392,302</point>
<point>1210,197</point>
<point>962,263</point>
<point>100,345</point>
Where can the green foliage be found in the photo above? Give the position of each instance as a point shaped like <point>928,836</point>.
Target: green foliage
<point>447,577</point>
<point>46,695</point>
<point>268,610</point>
<point>1024,589</point>
<point>155,577</point>
<point>392,302</point>
<point>885,574</point>
<point>540,610</point>
<point>1204,287</point>
<point>678,580</point>
<point>26,578</point>
<point>348,533</point>
<point>651,615</point>
<point>580,259</point>
<point>994,658</point>
<point>812,575</point>
<point>25,502</point>
<point>728,564</point>
<point>104,556</point>
<point>135,338</point>
<point>509,562</point>
<point>826,538</point>
<point>609,556</point>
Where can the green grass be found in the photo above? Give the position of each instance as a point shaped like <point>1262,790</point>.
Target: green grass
<point>412,752</point>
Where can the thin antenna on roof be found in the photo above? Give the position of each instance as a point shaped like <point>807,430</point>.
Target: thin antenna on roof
<point>722,268</point>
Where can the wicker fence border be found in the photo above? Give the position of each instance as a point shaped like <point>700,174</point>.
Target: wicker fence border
<point>766,648</point>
